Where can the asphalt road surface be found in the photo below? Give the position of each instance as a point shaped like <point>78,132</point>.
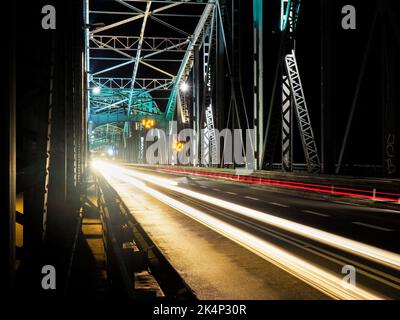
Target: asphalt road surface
<point>277,244</point>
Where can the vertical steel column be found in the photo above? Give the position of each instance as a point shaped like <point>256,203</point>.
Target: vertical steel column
<point>220,85</point>
<point>8,169</point>
<point>62,209</point>
<point>287,124</point>
<point>79,106</point>
<point>258,115</point>
<point>196,104</point>
<point>389,93</point>
<point>57,188</point>
<point>288,28</point>
<point>36,125</point>
<point>209,148</point>
<point>70,152</point>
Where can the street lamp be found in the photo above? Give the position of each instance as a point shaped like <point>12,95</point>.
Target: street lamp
<point>148,123</point>
<point>184,87</point>
<point>96,90</point>
<point>110,152</point>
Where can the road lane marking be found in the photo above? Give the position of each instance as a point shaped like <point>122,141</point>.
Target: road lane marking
<point>372,226</point>
<point>251,198</point>
<point>316,213</point>
<point>232,193</point>
<point>306,271</point>
<point>390,211</point>
<point>279,204</point>
<point>378,255</point>
<point>348,203</point>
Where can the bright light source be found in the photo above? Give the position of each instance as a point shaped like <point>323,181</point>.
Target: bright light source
<point>148,123</point>
<point>110,152</point>
<point>184,87</point>
<point>178,146</point>
<point>96,90</point>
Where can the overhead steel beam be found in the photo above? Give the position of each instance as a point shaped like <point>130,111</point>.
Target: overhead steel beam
<point>138,53</point>
<point>131,43</point>
<point>171,5</point>
<point>125,83</point>
<point>108,103</point>
<point>116,24</point>
<point>104,118</point>
<point>157,69</point>
<point>110,106</point>
<point>173,1</point>
<point>133,14</point>
<point>101,44</point>
<point>112,68</point>
<point>187,62</point>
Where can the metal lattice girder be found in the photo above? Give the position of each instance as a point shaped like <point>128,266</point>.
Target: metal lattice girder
<point>153,44</point>
<point>130,63</point>
<point>210,142</point>
<point>104,118</point>
<point>293,95</point>
<point>111,100</point>
<point>187,63</point>
<point>211,136</point>
<point>183,107</point>
<point>104,135</point>
<point>126,83</point>
<point>289,14</point>
<point>286,124</point>
<point>302,115</point>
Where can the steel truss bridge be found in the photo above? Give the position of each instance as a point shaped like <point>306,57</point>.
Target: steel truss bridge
<point>138,55</point>
<point>114,68</point>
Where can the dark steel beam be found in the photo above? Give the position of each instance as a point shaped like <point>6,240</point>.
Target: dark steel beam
<point>8,169</point>
<point>389,92</point>
<point>258,115</point>
<point>196,97</point>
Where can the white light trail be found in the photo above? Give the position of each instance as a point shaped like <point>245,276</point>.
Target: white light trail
<point>311,274</point>
<point>381,256</point>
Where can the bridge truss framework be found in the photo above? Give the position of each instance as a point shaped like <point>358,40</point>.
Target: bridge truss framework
<point>127,42</point>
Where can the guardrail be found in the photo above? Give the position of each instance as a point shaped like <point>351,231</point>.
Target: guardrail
<point>129,249</point>
<point>121,280</point>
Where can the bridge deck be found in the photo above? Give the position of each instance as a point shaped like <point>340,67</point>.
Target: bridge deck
<point>232,240</point>
<point>212,265</point>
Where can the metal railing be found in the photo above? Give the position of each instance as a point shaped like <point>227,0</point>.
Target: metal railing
<point>122,233</point>
<point>117,271</point>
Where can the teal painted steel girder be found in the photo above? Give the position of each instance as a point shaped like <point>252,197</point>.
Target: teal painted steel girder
<point>285,11</point>
<point>120,48</point>
<point>123,45</point>
<point>137,50</point>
